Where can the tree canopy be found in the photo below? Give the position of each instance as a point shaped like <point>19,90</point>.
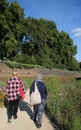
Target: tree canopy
<point>39,40</point>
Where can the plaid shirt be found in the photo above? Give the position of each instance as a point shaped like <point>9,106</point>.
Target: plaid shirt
<point>12,88</point>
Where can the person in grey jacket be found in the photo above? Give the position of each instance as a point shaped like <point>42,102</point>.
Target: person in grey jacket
<point>38,109</point>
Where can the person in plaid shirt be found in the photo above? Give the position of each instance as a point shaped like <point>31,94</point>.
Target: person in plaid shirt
<point>12,94</point>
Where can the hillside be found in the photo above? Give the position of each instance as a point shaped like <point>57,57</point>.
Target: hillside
<point>5,71</point>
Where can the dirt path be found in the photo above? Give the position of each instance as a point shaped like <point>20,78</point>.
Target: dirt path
<point>23,122</point>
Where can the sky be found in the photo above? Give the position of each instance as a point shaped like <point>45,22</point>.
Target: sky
<point>65,13</point>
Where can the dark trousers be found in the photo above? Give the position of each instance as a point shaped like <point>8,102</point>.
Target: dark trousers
<point>38,111</point>
<point>12,108</point>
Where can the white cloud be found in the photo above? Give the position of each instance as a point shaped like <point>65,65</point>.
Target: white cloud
<point>77,32</point>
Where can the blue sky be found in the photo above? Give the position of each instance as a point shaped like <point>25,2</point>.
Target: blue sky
<point>65,13</point>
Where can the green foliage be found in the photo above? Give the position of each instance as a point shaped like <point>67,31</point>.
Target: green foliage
<point>76,125</point>
<point>23,58</point>
<point>73,65</point>
<point>28,82</point>
<point>2,83</point>
<point>1,97</point>
<point>3,5</point>
<point>64,103</point>
<point>38,39</point>
<point>11,25</point>
<point>49,47</point>
<point>14,64</point>
<point>53,91</point>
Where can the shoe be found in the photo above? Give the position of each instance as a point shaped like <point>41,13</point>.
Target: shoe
<point>9,120</point>
<point>15,117</point>
<point>38,126</point>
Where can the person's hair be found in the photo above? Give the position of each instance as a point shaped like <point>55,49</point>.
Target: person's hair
<point>39,76</point>
<point>14,73</point>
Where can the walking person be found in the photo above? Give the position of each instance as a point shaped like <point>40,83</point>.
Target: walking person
<point>13,95</point>
<point>38,109</point>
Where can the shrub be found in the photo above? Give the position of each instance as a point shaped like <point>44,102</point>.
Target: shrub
<point>65,106</point>
<point>12,64</point>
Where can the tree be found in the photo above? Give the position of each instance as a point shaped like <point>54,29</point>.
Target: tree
<point>39,39</point>
<point>3,6</point>
<point>12,28</point>
<point>42,39</point>
<point>66,50</point>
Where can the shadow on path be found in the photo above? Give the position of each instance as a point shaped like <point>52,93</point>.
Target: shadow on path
<point>24,106</point>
